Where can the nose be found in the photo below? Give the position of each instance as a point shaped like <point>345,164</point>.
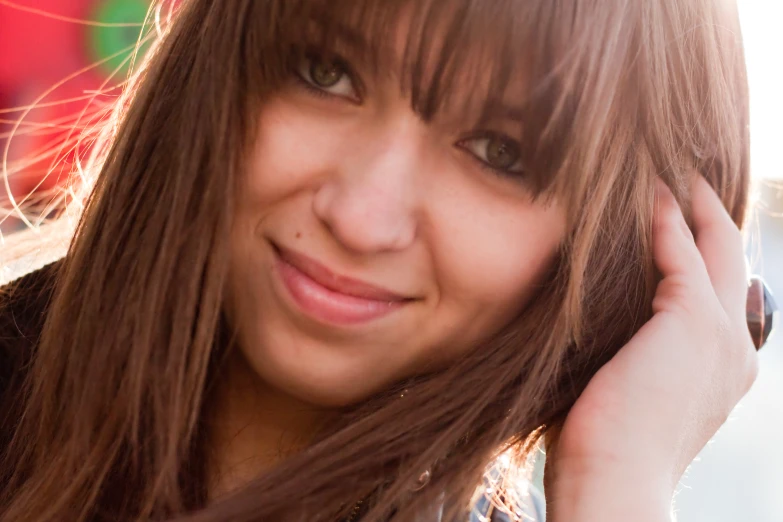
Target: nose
<point>369,203</point>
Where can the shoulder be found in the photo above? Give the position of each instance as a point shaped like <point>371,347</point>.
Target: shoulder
<point>23,305</point>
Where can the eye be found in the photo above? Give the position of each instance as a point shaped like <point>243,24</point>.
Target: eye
<point>327,77</point>
<point>496,151</point>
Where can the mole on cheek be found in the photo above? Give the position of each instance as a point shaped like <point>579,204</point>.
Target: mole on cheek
<point>298,235</point>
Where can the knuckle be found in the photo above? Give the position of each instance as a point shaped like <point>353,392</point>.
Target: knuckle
<point>676,287</point>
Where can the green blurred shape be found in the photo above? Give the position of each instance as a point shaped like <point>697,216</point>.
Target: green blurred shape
<point>106,41</point>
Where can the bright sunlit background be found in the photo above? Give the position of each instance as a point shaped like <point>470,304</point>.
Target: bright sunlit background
<point>739,475</point>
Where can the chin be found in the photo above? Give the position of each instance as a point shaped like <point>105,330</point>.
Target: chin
<point>318,373</point>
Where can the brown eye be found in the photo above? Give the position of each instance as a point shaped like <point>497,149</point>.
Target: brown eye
<point>502,154</point>
<point>496,151</point>
<point>325,73</point>
<point>328,77</point>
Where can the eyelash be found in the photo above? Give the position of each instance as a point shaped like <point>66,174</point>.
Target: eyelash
<point>312,88</point>
<point>488,135</point>
<point>346,69</point>
<point>321,92</point>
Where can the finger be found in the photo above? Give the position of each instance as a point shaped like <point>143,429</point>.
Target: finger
<point>720,243</point>
<point>674,249</point>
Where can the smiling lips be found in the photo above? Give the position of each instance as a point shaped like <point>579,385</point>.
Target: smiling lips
<point>329,297</point>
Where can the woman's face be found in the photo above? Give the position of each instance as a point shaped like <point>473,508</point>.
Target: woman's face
<point>369,245</point>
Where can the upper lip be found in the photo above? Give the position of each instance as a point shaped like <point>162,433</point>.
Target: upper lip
<point>333,281</point>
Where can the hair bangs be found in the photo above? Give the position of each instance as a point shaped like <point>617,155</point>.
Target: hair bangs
<point>472,58</point>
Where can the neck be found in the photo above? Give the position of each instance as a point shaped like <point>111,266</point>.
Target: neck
<point>253,427</point>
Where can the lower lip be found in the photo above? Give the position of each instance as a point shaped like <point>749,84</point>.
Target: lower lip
<point>327,305</point>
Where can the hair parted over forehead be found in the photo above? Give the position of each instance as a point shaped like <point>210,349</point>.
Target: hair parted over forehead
<point>610,94</point>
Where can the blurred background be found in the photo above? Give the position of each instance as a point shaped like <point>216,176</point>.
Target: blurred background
<point>60,63</point>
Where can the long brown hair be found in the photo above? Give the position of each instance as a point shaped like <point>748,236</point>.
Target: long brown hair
<point>617,93</point>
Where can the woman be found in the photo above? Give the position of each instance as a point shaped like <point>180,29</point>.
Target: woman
<point>341,257</point>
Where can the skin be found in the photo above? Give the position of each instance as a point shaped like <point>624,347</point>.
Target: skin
<point>630,437</point>
<point>357,181</point>
<point>349,175</point>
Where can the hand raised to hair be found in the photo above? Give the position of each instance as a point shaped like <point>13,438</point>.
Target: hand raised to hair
<point>648,412</point>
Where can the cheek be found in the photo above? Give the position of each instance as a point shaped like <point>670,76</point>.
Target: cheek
<point>503,261</point>
<point>492,256</point>
<point>293,149</point>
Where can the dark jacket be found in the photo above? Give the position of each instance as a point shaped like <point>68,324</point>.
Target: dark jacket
<point>23,306</point>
